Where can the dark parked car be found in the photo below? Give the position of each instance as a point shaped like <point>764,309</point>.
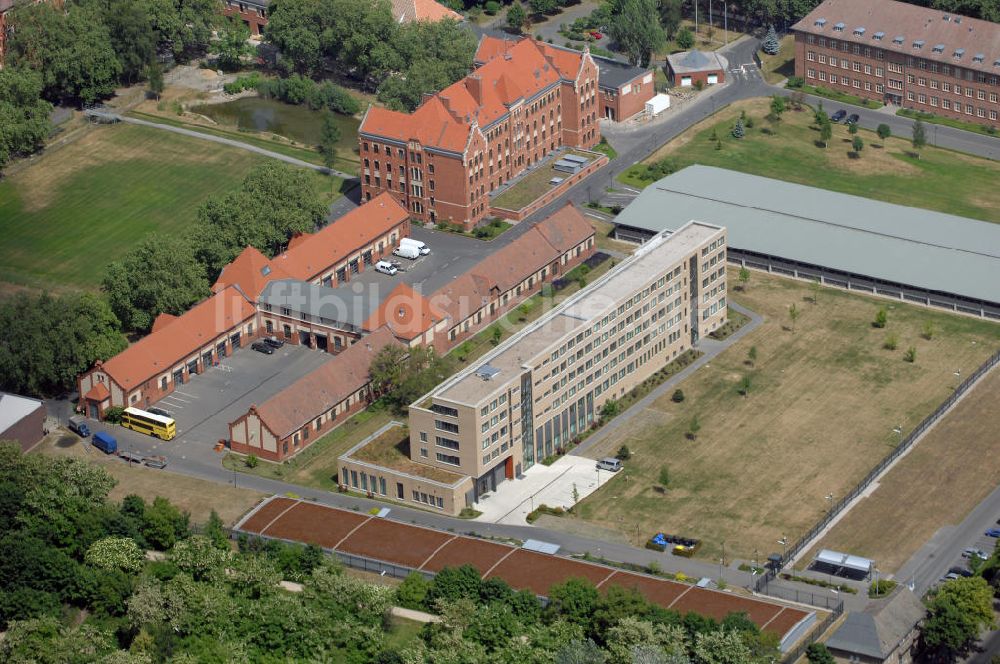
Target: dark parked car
<point>961,571</point>
<point>159,411</point>
<point>993,532</point>
<point>853,118</point>
<point>262,347</point>
<point>156,461</point>
<point>838,116</point>
<point>274,342</point>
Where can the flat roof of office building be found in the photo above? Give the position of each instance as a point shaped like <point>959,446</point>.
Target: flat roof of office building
<point>577,312</point>
<point>894,243</point>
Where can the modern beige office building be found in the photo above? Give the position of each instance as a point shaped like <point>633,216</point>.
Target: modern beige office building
<point>545,385</point>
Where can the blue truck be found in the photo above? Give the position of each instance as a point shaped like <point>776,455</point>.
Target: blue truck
<point>105,442</point>
<point>78,425</point>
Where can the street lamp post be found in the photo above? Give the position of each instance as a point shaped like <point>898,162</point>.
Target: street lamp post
<point>784,549</point>
<point>722,562</point>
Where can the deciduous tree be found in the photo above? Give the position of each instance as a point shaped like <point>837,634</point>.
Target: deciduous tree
<point>670,16</point>
<point>961,608</point>
<point>635,28</point>
<point>328,139</point>
<point>919,136</point>
<point>516,16</point>
<point>685,39</point>
<point>160,275</point>
<point>231,44</point>
<point>24,116</point>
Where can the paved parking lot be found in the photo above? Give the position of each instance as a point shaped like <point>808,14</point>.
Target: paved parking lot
<point>204,406</point>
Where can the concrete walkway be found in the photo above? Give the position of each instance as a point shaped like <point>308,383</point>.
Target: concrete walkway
<point>115,117</point>
<point>710,347</point>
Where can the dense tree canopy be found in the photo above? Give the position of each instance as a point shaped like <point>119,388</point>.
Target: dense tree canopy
<point>24,116</point>
<point>160,275</point>
<point>48,340</point>
<point>635,29</point>
<point>274,202</point>
<point>955,616</point>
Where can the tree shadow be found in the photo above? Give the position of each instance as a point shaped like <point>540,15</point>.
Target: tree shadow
<point>851,154</point>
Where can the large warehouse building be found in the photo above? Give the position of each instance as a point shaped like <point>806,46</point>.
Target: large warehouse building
<point>905,253</point>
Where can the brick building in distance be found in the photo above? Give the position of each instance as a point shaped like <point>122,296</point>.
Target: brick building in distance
<point>254,13</point>
<point>524,100</point>
<point>897,53</point>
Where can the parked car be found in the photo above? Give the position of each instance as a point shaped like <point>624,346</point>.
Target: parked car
<point>274,342</point>
<point>838,116</point>
<point>853,118</point>
<point>974,553</point>
<point>78,425</point>
<point>156,410</point>
<point>950,576</point>
<point>596,35</point>
<point>609,463</point>
<point>993,532</point>
<point>385,267</point>
<point>262,347</point>
<point>156,461</point>
<point>961,571</point>
<point>105,442</point>
<point>421,247</point>
<point>131,457</point>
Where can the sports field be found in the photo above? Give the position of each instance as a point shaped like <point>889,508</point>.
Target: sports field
<point>823,403</point>
<point>939,180</point>
<point>79,207</point>
<point>935,485</point>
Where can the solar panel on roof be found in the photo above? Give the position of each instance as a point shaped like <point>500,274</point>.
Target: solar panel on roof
<point>540,546</point>
<point>487,372</point>
<point>577,158</point>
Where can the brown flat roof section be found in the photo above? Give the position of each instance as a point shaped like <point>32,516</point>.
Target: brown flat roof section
<point>540,571</point>
<point>654,590</point>
<point>480,554</point>
<point>394,542</point>
<point>316,524</point>
<point>784,621</point>
<point>266,514</point>
<point>718,605</point>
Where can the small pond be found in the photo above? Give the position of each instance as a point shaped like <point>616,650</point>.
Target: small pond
<point>298,123</point>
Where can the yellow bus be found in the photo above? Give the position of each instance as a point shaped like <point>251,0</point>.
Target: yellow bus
<point>148,423</point>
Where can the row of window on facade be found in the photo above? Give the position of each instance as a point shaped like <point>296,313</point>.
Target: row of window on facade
<point>911,61</point>
<point>378,485</point>
<point>946,86</point>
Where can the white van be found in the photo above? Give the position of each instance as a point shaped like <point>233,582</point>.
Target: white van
<point>407,251</point>
<point>421,247</point>
<point>609,463</point>
<point>385,267</point>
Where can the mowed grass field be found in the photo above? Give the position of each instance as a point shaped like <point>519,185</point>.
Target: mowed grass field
<point>820,414</point>
<point>78,208</point>
<point>939,180</point>
<point>948,473</point>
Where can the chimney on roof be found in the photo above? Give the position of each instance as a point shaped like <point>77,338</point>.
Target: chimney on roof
<point>474,84</point>
<point>507,56</point>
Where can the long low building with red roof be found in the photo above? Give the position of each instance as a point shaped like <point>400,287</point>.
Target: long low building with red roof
<point>303,412</point>
<point>524,100</point>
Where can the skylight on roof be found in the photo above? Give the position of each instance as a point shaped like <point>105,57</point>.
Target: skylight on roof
<point>266,270</point>
<point>939,48</point>
<point>959,52</point>
<point>820,22</point>
<point>919,43</point>
<point>878,36</point>
<point>899,39</point>
<point>859,31</point>
<point>839,27</point>
<point>979,57</point>
<point>996,63</point>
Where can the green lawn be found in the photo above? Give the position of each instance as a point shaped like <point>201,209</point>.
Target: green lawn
<point>533,185</point>
<point>781,65</point>
<point>837,95</point>
<point>986,129</point>
<point>939,179</point>
<point>76,209</point>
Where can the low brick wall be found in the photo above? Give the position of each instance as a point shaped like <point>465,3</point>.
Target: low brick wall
<point>519,215</point>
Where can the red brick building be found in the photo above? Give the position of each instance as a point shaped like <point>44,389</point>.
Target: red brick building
<point>525,99</point>
<point>22,420</point>
<point>254,13</point>
<point>897,53</point>
<point>692,68</point>
<point>303,412</point>
<point>625,88</point>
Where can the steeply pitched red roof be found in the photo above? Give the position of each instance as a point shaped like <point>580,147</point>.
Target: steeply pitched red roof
<point>510,71</point>
<point>249,273</point>
<point>565,228</point>
<point>321,389</point>
<point>312,254</point>
<point>159,351</point>
<point>404,311</point>
<point>406,11</point>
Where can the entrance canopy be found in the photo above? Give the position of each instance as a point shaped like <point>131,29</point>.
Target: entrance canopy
<point>844,561</point>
